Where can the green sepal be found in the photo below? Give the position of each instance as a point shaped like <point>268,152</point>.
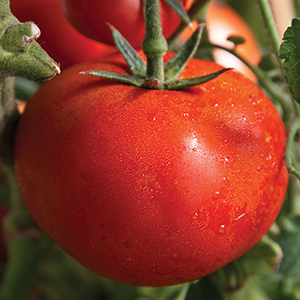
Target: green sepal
<point>135,63</point>
<point>132,80</point>
<point>179,84</point>
<point>179,9</point>
<point>174,66</point>
<point>158,75</point>
<point>20,54</point>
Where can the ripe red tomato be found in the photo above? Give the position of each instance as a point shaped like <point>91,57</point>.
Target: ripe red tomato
<point>62,42</point>
<point>151,187</point>
<point>90,18</point>
<point>223,21</point>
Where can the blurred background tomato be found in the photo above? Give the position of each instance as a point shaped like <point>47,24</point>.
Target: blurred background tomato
<point>62,42</point>
<point>222,21</point>
<point>90,18</point>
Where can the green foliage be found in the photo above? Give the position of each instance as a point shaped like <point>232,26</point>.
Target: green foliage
<point>290,53</point>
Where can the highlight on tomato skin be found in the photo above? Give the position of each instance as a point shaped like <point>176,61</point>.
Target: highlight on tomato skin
<point>125,15</point>
<point>151,187</point>
<point>222,21</point>
<point>61,41</point>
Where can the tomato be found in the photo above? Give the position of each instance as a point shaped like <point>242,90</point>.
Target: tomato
<point>222,21</point>
<point>90,18</point>
<point>62,42</point>
<point>151,187</point>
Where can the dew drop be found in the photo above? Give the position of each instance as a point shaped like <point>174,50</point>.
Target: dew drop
<point>251,150</point>
<point>269,157</point>
<point>152,116</point>
<point>221,229</point>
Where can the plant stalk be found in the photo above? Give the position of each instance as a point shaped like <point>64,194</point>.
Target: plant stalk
<point>270,24</point>
<point>154,44</point>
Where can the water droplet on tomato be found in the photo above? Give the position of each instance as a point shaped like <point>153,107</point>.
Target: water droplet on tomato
<point>221,229</point>
<point>152,116</point>
<point>269,157</point>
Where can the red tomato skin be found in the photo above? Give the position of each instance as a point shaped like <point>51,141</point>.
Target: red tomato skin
<point>150,187</point>
<point>61,41</point>
<point>90,18</point>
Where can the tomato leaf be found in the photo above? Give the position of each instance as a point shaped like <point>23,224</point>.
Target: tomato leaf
<point>137,66</point>
<point>174,66</point>
<point>289,241</point>
<point>179,9</point>
<point>132,80</point>
<point>290,53</point>
<point>262,259</point>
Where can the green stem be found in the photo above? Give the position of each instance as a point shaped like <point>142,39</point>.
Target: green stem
<point>154,44</point>
<point>289,148</point>
<point>270,24</point>
<point>27,246</point>
<point>184,291</point>
<point>8,117</point>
